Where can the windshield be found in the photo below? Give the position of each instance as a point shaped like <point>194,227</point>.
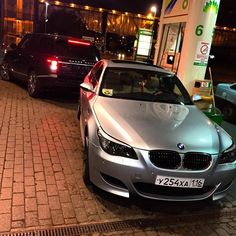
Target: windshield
<point>144,85</point>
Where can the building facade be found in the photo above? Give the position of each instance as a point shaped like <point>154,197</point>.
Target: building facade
<point>18,17</point>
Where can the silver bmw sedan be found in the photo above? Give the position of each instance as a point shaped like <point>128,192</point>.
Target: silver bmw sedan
<point>143,135</point>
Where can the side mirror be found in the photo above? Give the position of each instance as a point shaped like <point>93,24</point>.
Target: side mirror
<point>196,98</point>
<point>13,46</point>
<point>87,87</point>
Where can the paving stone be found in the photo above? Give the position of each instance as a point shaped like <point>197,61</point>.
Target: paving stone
<point>31,219</point>
<point>18,213</point>
<point>39,176</point>
<point>43,212</point>
<point>42,197</point>
<point>18,224</point>
<point>52,190</point>
<point>30,204</point>
<point>8,173</point>
<point>61,185</point>
<point>5,206</point>
<point>64,196</point>
<point>7,182</point>
<point>50,179</point>
<point>30,191</point>
<point>45,222</point>
<point>18,187</point>
<point>18,199</point>
<point>18,177</point>
<point>18,169</point>
<point>68,210</point>
<point>77,201</point>
<point>40,186</point>
<point>6,193</point>
<point>81,215</point>
<point>29,181</point>
<point>54,203</point>
<point>57,217</point>
<point>5,222</point>
<point>29,171</point>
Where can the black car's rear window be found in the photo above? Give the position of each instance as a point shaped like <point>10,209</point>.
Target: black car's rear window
<point>76,50</point>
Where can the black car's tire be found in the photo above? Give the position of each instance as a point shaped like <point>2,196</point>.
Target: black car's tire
<point>34,87</point>
<point>86,175</point>
<point>229,112</point>
<point>4,71</point>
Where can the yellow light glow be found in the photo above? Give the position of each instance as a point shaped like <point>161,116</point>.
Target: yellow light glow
<point>114,11</point>
<point>150,16</point>
<point>139,15</point>
<point>86,7</point>
<point>100,9</point>
<point>126,13</point>
<point>57,3</point>
<point>72,5</point>
<point>42,1</point>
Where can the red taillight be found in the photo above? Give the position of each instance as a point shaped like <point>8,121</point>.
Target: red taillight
<point>53,64</point>
<point>79,42</point>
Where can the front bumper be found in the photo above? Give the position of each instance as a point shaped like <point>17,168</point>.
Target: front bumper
<point>124,176</point>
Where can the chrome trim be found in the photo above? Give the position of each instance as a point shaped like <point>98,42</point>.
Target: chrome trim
<point>72,63</point>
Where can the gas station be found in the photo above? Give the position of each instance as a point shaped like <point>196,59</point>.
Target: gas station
<point>184,39</point>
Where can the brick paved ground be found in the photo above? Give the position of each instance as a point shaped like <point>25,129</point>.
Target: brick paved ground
<point>40,175</point>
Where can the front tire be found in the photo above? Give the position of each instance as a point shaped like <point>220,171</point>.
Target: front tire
<point>229,112</point>
<point>86,175</point>
<point>34,87</point>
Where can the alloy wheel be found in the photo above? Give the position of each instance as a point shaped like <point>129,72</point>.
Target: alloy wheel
<point>4,71</point>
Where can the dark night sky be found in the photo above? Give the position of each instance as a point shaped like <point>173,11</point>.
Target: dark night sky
<point>226,16</point>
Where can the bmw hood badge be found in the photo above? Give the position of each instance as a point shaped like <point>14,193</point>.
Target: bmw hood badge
<point>180,146</point>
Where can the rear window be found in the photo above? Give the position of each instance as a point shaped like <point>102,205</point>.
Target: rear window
<point>75,50</point>
<point>46,45</point>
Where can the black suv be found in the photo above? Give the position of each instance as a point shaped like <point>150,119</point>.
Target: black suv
<point>49,61</point>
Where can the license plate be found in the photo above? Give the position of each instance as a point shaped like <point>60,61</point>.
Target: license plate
<point>179,182</point>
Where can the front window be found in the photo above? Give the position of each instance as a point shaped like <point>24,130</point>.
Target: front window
<point>143,85</point>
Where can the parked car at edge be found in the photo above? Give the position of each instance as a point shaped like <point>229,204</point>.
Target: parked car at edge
<point>226,100</point>
<point>48,61</point>
<point>143,135</point>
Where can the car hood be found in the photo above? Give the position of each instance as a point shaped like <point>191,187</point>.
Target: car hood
<point>149,125</point>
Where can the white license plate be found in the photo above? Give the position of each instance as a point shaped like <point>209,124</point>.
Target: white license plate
<point>179,182</point>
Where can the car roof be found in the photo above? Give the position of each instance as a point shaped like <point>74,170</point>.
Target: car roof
<point>135,65</point>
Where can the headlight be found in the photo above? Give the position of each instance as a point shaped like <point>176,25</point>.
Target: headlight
<point>228,155</point>
<point>116,149</point>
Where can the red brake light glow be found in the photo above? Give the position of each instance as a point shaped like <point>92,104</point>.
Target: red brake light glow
<point>53,64</point>
<point>79,42</point>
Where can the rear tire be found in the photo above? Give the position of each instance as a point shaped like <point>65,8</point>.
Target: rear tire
<point>86,175</point>
<point>34,87</point>
<point>5,72</point>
